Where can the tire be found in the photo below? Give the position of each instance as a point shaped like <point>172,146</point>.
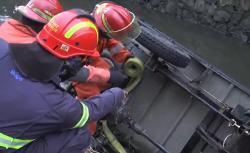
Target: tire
<point>162,47</point>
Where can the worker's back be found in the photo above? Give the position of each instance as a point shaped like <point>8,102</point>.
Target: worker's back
<point>16,32</point>
<point>31,109</point>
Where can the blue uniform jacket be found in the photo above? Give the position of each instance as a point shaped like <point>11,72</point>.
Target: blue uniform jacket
<point>29,110</point>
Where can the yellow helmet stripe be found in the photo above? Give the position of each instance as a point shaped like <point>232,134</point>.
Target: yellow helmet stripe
<point>105,23</point>
<point>78,26</point>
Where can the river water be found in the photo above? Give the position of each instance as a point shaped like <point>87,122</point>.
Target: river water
<point>228,54</point>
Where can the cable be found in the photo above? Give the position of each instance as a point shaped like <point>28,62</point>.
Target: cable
<point>224,141</point>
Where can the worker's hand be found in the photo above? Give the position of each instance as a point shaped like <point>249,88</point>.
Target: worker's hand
<point>70,68</point>
<point>118,79</point>
<point>118,115</point>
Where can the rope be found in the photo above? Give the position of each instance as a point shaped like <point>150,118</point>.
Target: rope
<point>224,141</point>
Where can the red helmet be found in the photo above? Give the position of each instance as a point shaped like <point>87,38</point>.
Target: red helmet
<point>70,33</point>
<point>118,22</point>
<point>40,10</point>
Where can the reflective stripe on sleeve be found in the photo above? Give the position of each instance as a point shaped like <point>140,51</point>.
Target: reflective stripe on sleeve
<point>84,118</point>
<point>13,143</point>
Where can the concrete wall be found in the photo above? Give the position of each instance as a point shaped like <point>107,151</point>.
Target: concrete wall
<point>231,17</point>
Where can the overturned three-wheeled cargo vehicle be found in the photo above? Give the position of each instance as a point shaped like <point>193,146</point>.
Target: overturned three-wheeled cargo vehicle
<point>182,105</point>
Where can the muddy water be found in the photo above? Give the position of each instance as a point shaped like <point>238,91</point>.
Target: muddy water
<point>228,54</point>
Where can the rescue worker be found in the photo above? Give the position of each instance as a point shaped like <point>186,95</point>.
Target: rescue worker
<point>116,24</point>
<point>36,116</point>
<point>34,15</point>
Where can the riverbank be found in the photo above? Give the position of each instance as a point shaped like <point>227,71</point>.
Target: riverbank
<point>229,17</point>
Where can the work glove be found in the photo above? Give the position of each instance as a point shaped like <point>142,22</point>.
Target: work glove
<point>70,68</point>
<point>118,79</point>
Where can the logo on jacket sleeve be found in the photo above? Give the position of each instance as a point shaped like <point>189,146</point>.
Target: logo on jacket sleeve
<point>16,75</point>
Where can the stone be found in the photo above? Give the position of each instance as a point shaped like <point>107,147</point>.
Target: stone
<point>222,28</point>
<point>148,6</point>
<point>155,3</point>
<point>200,6</point>
<point>189,3</point>
<point>211,1</point>
<point>245,23</point>
<point>229,8</point>
<point>162,10</point>
<point>141,1</point>
<point>226,2</point>
<point>235,18</point>
<point>207,19</point>
<point>180,5</point>
<point>245,4</point>
<point>244,37</point>
<point>236,5</point>
<point>241,35</point>
<point>171,7</point>
<point>186,14</point>
<point>222,16</point>
<point>179,13</point>
<point>211,9</point>
<point>227,16</point>
<point>162,7</point>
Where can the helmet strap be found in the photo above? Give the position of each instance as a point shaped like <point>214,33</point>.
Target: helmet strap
<point>83,13</point>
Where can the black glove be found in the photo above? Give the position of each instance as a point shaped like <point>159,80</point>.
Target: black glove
<point>118,79</point>
<point>70,68</point>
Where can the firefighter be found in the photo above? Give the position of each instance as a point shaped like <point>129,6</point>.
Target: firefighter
<point>36,116</point>
<point>116,24</point>
<point>34,15</point>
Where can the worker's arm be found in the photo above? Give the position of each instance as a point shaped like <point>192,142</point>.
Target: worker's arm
<point>100,76</point>
<point>77,114</point>
<point>91,74</point>
<point>105,103</point>
<point>118,51</point>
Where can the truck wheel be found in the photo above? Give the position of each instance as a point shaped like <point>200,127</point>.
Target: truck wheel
<point>162,47</point>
